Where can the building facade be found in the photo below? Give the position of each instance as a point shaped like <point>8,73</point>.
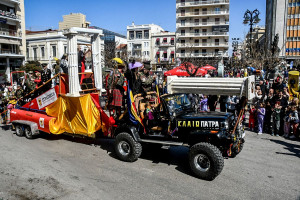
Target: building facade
<point>74,20</point>
<point>45,46</point>
<point>202,28</point>
<point>139,40</point>
<point>12,37</point>
<point>163,49</point>
<point>282,19</point>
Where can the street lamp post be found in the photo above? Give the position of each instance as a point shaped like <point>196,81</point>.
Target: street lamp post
<point>251,18</point>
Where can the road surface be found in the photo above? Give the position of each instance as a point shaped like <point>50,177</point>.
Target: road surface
<point>62,167</point>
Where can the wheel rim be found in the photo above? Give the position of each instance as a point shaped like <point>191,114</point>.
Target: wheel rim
<point>202,162</point>
<point>18,130</point>
<point>28,132</point>
<point>124,148</point>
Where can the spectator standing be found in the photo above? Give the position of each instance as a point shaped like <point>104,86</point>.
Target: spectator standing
<point>276,115</point>
<point>294,120</point>
<point>260,117</point>
<point>252,113</point>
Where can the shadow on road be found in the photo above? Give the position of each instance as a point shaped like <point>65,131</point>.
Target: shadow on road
<point>293,148</point>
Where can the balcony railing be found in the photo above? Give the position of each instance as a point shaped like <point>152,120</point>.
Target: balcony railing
<point>10,32</point>
<point>165,44</point>
<point>203,13</point>
<point>203,24</point>
<point>204,44</point>
<point>9,51</point>
<point>204,34</point>
<point>208,54</point>
<point>196,3</point>
<point>9,15</point>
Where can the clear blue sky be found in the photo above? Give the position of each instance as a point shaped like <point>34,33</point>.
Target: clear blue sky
<point>115,15</point>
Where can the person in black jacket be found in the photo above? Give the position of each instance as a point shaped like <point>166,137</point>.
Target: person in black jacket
<point>45,76</point>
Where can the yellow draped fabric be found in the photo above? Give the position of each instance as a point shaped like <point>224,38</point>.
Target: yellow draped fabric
<point>77,115</point>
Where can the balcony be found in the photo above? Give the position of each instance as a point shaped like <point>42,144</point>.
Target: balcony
<point>201,55</point>
<point>14,1</point>
<point>165,44</point>
<point>169,60</point>
<point>9,15</point>
<point>197,24</point>
<point>203,44</point>
<point>10,33</point>
<point>204,34</point>
<point>201,3</point>
<point>203,13</point>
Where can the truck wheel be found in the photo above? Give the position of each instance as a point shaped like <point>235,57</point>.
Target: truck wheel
<point>28,132</point>
<point>19,130</point>
<point>127,148</point>
<point>206,161</point>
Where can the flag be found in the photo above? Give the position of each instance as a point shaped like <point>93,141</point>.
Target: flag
<point>133,116</point>
<point>157,91</point>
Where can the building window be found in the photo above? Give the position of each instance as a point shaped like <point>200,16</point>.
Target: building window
<point>54,51</point>
<point>34,53</point>
<point>182,32</point>
<point>27,52</point>
<point>65,49</point>
<point>182,22</point>
<point>204,42</point>
<point>204,52</point>
<point>204,11</point>
<point>217,10</point>
<point>204,21</point>
<point>216,52</point>
<point>165,40</point>
<point>172,41</point>
<point>217,41</point>
<point>42,52</point>
<point>146,34</point>
<point>131,35</point>
<point>196,21</point>
<point>139,34</point>
<point>182,12</point>
<point>182,52</point>
<point>196,12</point>
<point>217,20</point>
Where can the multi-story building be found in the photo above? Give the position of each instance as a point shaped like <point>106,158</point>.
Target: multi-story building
<point>163,49</point>
<point>110,36</point>
<point>12,37</point>
<point>139,40</point>
<point>202,28</point>
<point>74,20</point>
<point>282,18</point>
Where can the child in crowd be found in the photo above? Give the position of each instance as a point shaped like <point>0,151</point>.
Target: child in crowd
<point>203,104</point>
<point>260,117</point>
<point>294,120</point>
<point>149,115</point>
<point>286,128</point>
<point>252,112</point>
<point>276,118</point>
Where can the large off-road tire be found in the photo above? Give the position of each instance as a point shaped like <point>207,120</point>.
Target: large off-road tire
<point>206,161</point>
<point>237,149</point>
<point>28,132</point>
<point>19,130</point>
<point>127,148</point>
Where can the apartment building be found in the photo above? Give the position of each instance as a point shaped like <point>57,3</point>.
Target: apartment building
<point>163,49</point>
<point>12,37</point>
<point>74,20</point>
<point>202,28</point>
<point>139,40</point>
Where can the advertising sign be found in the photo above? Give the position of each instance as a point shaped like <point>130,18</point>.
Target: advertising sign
<point>46,99</point>
<point>223,28</point>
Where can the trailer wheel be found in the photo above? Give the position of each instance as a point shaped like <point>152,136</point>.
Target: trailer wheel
<point>206,161</point>
<point>19,130</point>
<point>127,149</point>
<point>28,132</point>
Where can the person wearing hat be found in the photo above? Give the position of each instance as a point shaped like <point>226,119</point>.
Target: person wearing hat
<point>29,82</point>
<point>45,76</point>
<point>145,78</point>
<point>115,90</point>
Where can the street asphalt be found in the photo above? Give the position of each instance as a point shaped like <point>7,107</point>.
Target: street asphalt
<point>62,167</point>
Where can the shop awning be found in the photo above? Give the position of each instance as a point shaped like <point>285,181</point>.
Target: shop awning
<point>172,38</point>
<point>172,52</point>
<point>157,53</point>
<point>165,38</point>
<point>157,39</point>
<point>165,51</point>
